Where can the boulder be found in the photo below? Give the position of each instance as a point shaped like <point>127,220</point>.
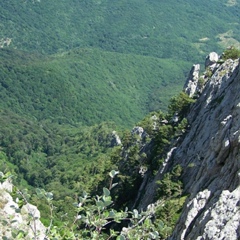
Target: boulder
<point>211,59</point>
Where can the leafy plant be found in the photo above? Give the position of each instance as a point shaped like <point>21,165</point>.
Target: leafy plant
<point>95,218</point>
<point>208,72</point>
<point>231,53</point>
<point>180,104</point>
<point>171,200</point>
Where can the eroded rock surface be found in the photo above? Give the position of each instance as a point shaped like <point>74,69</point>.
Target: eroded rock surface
<point>191,84</point>
<point>210,156</point>
<point>13,220</point>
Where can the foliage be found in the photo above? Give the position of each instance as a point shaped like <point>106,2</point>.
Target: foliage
<point>71,158</point>
<point>167,214</point>
<point>231,53</point>
<point>87,85</point>
<point>201,82</point>
<point>140,27</point>
<point>95,218</point>
<point>145,153</point>
<point>208,72</point>
<point>150,122</point>
<point>111,61</point>
<point>171,200</point>
<point>180,104</point>
<point>170,185</point>
<point>180,129</point>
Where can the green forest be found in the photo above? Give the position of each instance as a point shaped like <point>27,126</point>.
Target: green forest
<point>74,74</point>
<point>67,161</point>
<point>87,86</point>
<point>171,29</point>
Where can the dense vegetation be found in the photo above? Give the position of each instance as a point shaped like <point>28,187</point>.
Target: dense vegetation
<point>67,162</point>
<point>171,29</point>
<point>87,85</point>
<point>72,72</point>
<point>87,79</point>
<point>232,52</point>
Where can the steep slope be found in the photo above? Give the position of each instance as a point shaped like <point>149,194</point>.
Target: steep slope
<point>203,153</point>
<point>209,154</point>
<point>87,85</point>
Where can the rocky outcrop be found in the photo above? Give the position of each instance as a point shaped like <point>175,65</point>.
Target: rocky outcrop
<point>115,139</point>
<point>214,216</point>
<point>209,154</point>
<point>211,60</point>
<point>191,84</point>
<point>23,222</point>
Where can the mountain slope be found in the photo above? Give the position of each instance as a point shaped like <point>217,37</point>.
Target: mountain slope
<point>87,85</point>
<point>201,166</point>
<point>212,210</point>
<point>209,155</point>
<point>172,29</point>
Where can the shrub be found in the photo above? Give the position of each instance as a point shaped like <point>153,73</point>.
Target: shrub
<point>95,218</point>
<point>180,104</point>
<point>231,53</point>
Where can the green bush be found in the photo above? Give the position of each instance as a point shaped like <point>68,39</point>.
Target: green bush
<point>95,218</point>
<point>180,104</point>
<point>231,53</point>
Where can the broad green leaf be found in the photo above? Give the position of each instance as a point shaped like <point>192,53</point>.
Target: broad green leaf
<point>106,192</point>
<point>121,237</point>
<point>107,203</point>
<point>100,204</point>
<point>111,214</point>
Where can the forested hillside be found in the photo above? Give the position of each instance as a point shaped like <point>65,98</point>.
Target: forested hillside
<point>166,29</point>
<point>87,85</point>
<point>77,75</point>
<point>105,60</point>
<point>153,164</point>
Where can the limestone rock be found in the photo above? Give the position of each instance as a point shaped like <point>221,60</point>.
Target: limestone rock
<point>13,219</point>
<point>211,59</point>
<point>209,154</point>
<point>115,141</point>
<point>212,149</point>
<point>191,84</point>
<point>137,131</point>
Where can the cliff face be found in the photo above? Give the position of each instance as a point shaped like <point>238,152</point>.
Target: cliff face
<point>210,156</point>
<point>209,153</point>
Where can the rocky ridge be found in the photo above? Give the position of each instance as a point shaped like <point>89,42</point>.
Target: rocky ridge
<point>209,155</point>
